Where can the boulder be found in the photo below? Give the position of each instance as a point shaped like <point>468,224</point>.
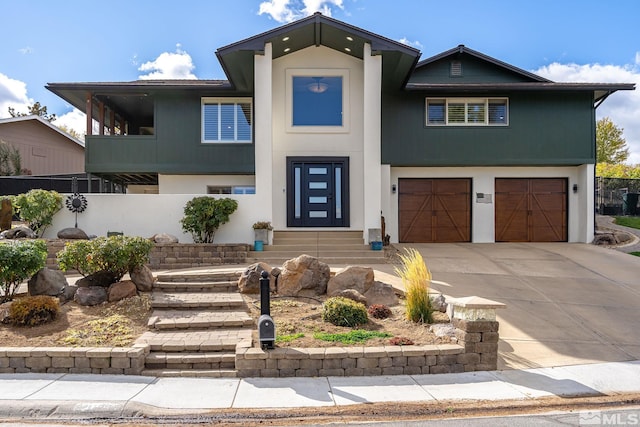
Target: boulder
<point>72,233</point>
<point>143,278</point>
<point>91,295</point>
<point>164,238</point>
<point>381,293</point>
<point>353,295</point>
<point>303,276</point>
<point>604,239</point>
<point>249,282</point>
<point>6,214</point>
<point>68,293</point>
<point>4,312</point>
<point>20,232</point>
<point>47,282</point>
<point>121,290</point>
<point>99,278</point>
<point>352,277</point>
<point>438,303</point>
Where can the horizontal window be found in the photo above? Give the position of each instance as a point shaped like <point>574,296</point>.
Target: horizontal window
<point>226,120</point>
<point>235,189</point>
<point>467,111</point>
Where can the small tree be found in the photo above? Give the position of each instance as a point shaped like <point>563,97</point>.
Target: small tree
<point>203,215</point>
<point>34,110</point>
<point>18,261</point>
<point>37,207</point>
<point>611,147</point>
<point>10,160</point>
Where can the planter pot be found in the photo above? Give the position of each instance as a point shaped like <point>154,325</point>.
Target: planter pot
<point>262,235</point>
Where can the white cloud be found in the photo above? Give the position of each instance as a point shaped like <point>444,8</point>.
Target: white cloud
<point>26,50</point>
<point>408,42</point>
<point>290,10</point>
<point>75,119</point>
<point>623,107</point>
<point>169,65</point>
<point>13,93</point>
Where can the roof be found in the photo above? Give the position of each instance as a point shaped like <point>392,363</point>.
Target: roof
<point>45,123</point>
<point>462,49</point>
<point>315,30</point>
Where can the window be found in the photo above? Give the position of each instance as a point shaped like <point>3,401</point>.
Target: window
<point>467,111</point>
<point>317,100</point>
<point>227,189</point>
<point>226,120</point>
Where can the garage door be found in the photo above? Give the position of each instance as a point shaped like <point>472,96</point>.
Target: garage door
<point>434,210</point>
<point>531,210</point>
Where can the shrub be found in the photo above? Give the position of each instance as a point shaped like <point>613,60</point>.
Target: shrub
<point>352,337</point>
<point>32,311</point>
<point>116,254</point>
<point>416,278</point>
<point>379,311</point>
<point>37,207</point>
<point>344,312</point>
<point>18,261</point>
<point>401,341</point>
<point>203,215</point>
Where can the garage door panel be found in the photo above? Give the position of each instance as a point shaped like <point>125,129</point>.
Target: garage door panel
<point>531,210</point>
<point>434,210</point>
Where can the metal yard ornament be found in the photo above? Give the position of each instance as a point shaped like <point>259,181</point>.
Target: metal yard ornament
<point>76,202</point>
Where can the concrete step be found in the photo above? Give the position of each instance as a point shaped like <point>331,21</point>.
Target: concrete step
<point>196,341</point>
<point>220,275</point>
<point>191,373</point>
<point>319,254</point>
<point>318,233</point>
<point>199,319</point>
<point>313,247</point>
<point>190,360</point>
<point>278,261</point>
<point>196,286</point>
<point>193,300</point>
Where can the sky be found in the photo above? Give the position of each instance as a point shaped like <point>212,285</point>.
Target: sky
<point>118,40</point>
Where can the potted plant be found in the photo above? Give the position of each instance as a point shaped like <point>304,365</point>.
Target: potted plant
<point>261,232</point>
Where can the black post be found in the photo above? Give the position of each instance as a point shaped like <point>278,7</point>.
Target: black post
<point>265,300</point>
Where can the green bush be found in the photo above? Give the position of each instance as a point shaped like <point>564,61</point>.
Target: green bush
<point>203,215</point>
<point>35,310</point>
<point>116,254</point>
<point>344,312</point>
<point>18,261</point>
<point>37,207</point>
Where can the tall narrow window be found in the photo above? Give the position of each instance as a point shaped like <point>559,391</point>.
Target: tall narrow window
<point>226,120</point>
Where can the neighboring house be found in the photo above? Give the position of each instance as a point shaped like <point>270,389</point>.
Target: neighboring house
<point>44,148</point>
<point>329,125</point>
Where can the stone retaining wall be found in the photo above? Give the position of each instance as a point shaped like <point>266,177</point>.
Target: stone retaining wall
<point>176,255</point>
<point>73,360</point>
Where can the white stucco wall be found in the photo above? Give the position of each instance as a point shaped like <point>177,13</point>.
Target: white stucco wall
<point>148,214</point>
<point>197,184</point>
<point>579,210</point>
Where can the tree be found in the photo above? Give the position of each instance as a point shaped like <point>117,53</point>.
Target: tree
<point>10,160</point>
<point>35,110</point>
<point>71,132</point>
<point>611,147</point>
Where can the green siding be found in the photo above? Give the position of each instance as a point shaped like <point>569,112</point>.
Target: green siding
<point>174,149</point>
<point>474,70</point>
<point>544,129</point>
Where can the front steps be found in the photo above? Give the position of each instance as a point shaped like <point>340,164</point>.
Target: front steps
<point>333,247</point>
<point>198,319</point>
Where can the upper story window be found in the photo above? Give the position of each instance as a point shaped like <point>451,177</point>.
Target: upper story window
<point>467,111</point>
<point>317,100</point>
<point>226,120</point>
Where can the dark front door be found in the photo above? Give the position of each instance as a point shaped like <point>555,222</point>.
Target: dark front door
<point>317,191</point>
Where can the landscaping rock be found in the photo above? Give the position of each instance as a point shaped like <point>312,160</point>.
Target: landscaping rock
<point>249,282</point>
<point>352,277</point>
<point>47,282</point>
<point>72,233</point>
<point>143,278</point>
<point>164,238</point>
<point>303,276</point>
<point>4,312</point>
<point>381,293</point>
<point>6,214</point>
<point>20,232</point>
<point>68,293</point>
<point>99,278</point>
<point>353,295</point>
<point>438,303</point>
<point>121,290</point>
<point>92,295</point>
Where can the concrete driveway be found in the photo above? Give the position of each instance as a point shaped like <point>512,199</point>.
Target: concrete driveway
<point>566,303</point>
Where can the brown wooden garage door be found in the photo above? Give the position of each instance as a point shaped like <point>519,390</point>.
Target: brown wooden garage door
<point>531,210</point>
<point>434,210</point>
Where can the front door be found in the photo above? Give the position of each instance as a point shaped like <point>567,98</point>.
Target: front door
<point>317,191</point>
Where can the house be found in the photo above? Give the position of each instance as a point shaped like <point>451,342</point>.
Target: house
<point>327,126</point>
<point>44,148</point>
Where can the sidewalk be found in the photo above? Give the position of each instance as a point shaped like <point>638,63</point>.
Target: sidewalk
<point>114,396</point>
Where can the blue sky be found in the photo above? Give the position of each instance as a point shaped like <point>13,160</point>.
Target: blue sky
<point>80,40</point>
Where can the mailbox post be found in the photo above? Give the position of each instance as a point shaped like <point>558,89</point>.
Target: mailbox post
<point>266,326</point>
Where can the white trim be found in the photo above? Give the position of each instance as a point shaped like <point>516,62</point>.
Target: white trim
<point>223,100</point>
<point>290,73</point>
